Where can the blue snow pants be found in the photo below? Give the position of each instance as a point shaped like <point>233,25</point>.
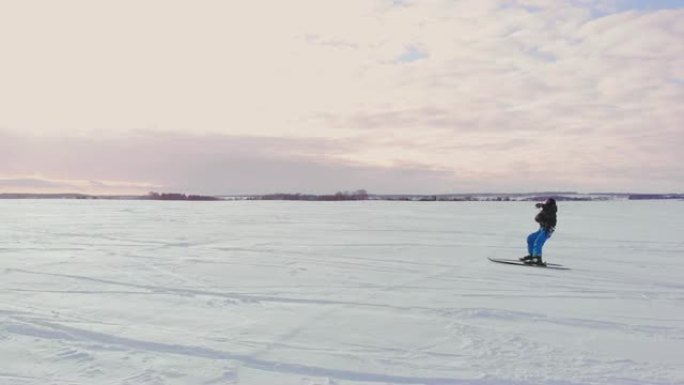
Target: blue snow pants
<point>536,240</point>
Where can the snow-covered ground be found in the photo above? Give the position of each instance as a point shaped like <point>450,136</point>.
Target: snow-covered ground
<point>348,293</point>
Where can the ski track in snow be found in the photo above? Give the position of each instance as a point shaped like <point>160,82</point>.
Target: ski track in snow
<point>353,293</point>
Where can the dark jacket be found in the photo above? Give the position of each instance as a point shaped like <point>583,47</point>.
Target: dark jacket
<point>547,216</point>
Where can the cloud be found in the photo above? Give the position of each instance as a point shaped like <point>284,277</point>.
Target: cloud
<point>571,86</point>
<point>37,184</point>
<point>33,184</point>
<point>204,164</point>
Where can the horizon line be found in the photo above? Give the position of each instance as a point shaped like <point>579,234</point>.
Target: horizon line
<point>349,193</point>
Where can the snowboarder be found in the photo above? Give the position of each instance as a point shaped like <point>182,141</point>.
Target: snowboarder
<point>547,225</point>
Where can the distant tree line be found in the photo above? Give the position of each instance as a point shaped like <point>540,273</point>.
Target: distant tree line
<point>636,197</point>
<point>179,197</point>
<point>358,195</point>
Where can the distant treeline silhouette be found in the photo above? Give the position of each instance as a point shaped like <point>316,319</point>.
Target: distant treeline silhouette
<point>636,197</point>
<point>179,197</point>
<point>359,195</point>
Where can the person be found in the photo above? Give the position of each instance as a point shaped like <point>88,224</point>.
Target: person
<point>547,225</point>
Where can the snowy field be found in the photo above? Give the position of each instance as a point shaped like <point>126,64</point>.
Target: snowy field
<point>348,293</point>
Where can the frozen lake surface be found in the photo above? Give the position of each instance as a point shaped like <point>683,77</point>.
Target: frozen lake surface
<point>348,293</point>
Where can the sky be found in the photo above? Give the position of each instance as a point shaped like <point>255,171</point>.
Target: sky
<point>319,96</point>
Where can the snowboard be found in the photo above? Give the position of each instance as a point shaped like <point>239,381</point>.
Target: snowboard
<point>521,263</point>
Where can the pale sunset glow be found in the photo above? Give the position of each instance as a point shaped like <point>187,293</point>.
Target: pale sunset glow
<point>317,96</point>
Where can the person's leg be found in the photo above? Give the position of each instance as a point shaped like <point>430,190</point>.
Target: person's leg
<point>530,242</point>
<point>538,242</point>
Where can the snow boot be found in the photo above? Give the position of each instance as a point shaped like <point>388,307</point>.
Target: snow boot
<point>526,258</point>
<point>537,261</point>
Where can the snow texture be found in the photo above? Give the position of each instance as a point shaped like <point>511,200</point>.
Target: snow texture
<point>344,293</point>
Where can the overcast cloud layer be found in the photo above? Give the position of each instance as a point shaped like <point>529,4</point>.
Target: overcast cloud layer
<point>426,96</point>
